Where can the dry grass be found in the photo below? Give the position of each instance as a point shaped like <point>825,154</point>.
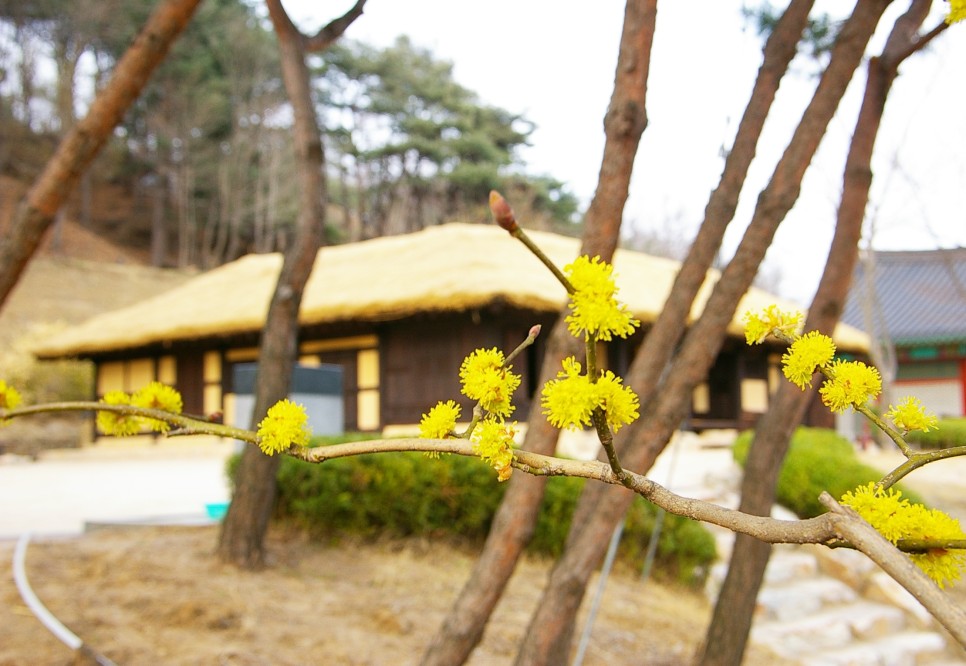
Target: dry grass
<point>55,293</point>
<point>60,291</point>
<point>157,596</point>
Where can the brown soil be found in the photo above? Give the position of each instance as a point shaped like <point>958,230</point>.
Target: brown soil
<point>158,596</point>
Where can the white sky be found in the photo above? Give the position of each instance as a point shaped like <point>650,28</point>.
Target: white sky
<point>553,61</point>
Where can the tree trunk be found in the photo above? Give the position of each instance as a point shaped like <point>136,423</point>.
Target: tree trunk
<point>664,335</point>
<point>516,517</point>
<point>67,51</point>
<point>662,339</point>
<point>548,636</point>
<point>157,191</point>
<point>26,71</point>
<point>242,539</point>
<point>37,209</point>
<point>727,635</point>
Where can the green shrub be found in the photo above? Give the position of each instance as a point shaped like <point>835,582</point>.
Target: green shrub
<point>951,432</point>
<point>818,459</point>
<point>401,494</point>
<point>685,549</point>
<point>408,494</point>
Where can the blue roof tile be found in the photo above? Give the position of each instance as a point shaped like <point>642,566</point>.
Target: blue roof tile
<point>914,297</point>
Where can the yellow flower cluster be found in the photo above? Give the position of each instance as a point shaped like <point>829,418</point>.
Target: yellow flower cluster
<point>570,399</point>
<point>440,421</point>
<point>9,396</point>
<point>114,423</point>
<point>911,415</point>
<point>486,380</point>
<point>895,518</point>
<point>152,396</point>
<point>957,11</point>
<point>285,425</point>
<point>595,312</point>
<point>850,383</point>
<point>158,396</point>
<point>812,350</point>
<point>759,326</point>
<point>493,443</point>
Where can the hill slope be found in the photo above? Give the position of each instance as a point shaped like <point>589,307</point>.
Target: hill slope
<point>65,291</point>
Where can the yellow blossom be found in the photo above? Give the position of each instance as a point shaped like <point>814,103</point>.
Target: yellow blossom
<point>759,326</point>
<point>941,564</point>
<point>113,423</point>
<point>9,396</point>
<point>808,352</point>
<point>440,421</point>
<point>851,383</point>
<point>619,402</point>
<point>284,426</point>
<point>493,443</point>
<point>569,399</point>
<point>957,11</point>
<point>486,380</point>
<point>911,415</point>
<point>595,312</point>
<point>157,396</point>
<point>895,518</point>
<point>880,508</point>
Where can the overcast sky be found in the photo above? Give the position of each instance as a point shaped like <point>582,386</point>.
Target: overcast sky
<point>553,61</point>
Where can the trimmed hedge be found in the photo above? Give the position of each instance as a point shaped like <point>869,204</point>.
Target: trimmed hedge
<point>408,494</point>
<point>951,432</point>
<point>818,459</point>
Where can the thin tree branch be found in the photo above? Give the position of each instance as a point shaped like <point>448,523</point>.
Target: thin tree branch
<point>917,460</point>
<point>841,523</point>
<point>187,425</point>
<point>84,141</point>
<point>866,539</point>
<point>813,530</point>
<point>281,21</point>
<point>922,41</point>
<point>770,530</point>
<point>326,36</point>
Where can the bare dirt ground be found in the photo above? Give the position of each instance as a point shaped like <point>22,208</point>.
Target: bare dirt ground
<point>158,596</point>
<point>149,595</point>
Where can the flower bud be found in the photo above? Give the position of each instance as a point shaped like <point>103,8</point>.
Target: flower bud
<point>502,212</point>
<point>534,332</point>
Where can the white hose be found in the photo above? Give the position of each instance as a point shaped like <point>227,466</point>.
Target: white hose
<point>68,637</point>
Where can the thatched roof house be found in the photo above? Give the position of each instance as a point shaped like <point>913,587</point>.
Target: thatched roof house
<point>398,314</point>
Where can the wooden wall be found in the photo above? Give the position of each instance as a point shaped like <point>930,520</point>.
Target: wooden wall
<point>421,358</point>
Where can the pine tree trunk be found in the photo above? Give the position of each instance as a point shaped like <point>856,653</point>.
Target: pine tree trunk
<point>549,634</point>
<point>242,539</point>
<point>730,625</point>
<point>516,517</point>
<point>36,212</point>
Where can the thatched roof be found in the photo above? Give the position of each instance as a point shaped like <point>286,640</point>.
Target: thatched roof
<point>451,267</point>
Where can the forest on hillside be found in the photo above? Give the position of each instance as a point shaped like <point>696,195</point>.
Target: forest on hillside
<point>203,161</point>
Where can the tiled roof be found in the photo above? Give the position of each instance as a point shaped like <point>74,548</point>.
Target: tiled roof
<point>912,298</point>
